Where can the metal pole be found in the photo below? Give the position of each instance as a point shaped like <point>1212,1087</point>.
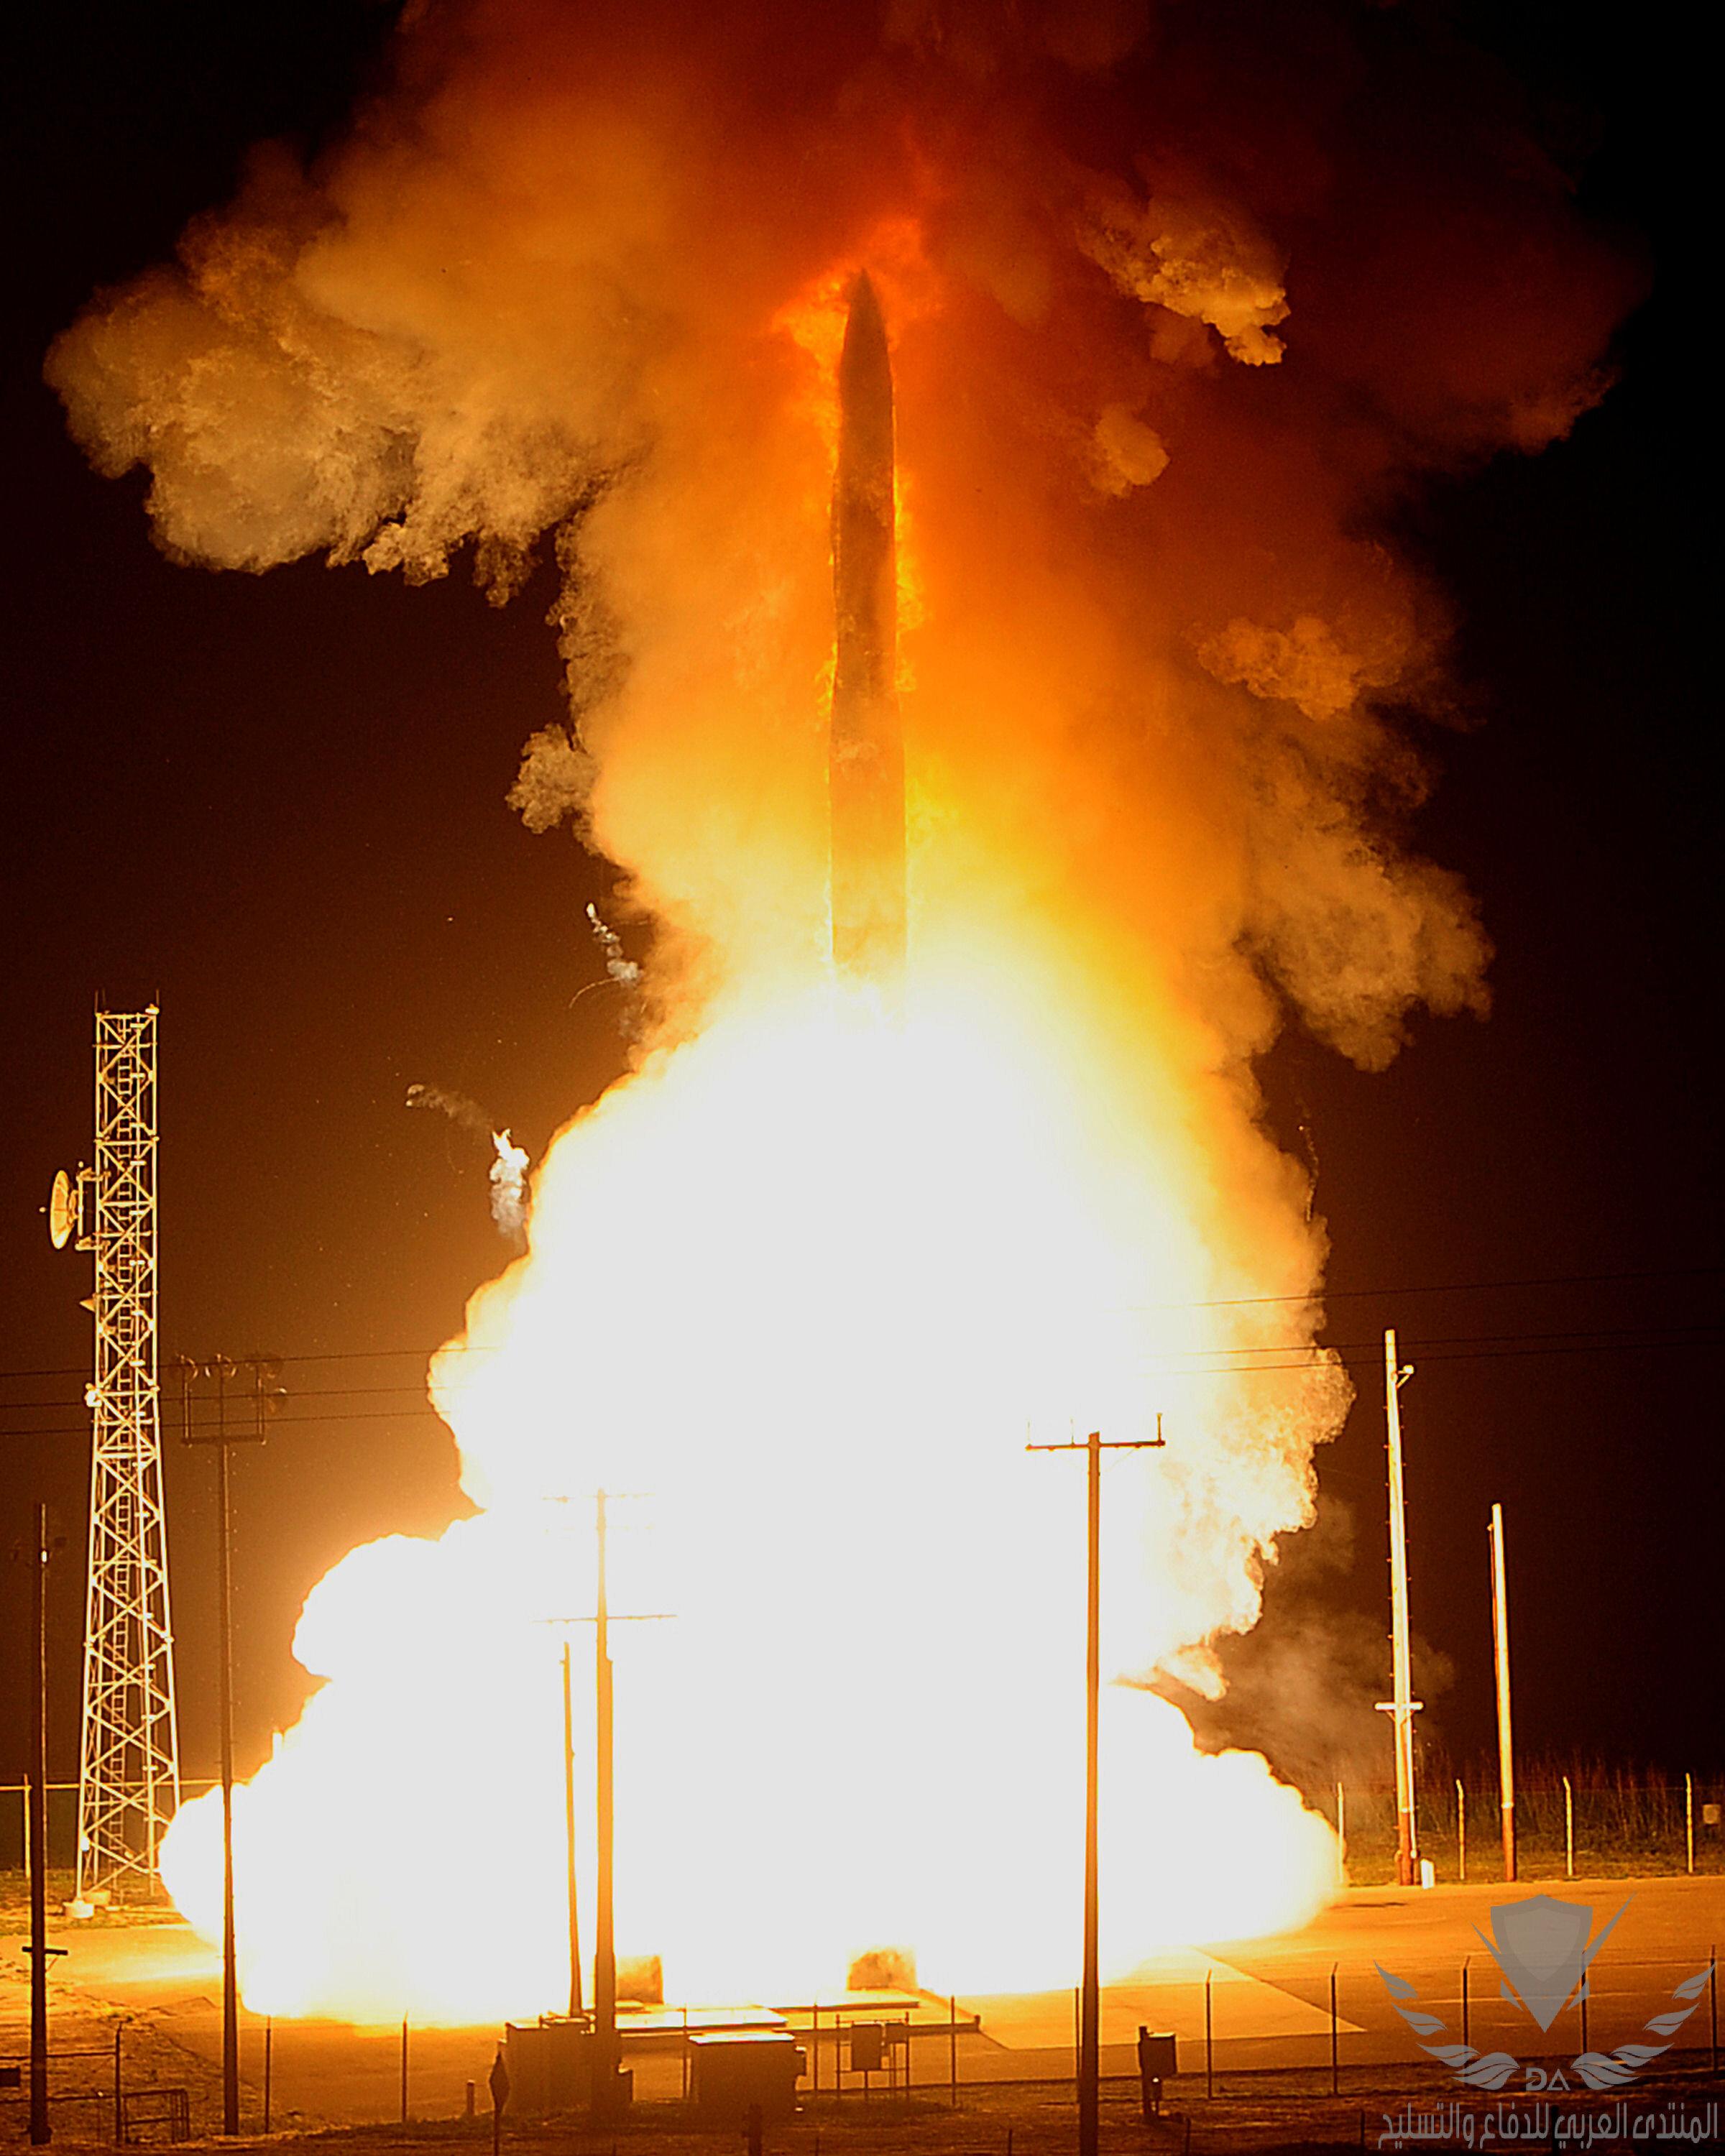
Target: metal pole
<point>1689,1819</point>
<point>404,2070</point>
<point>40,2131</point>
<point>1407,1854</point>
<point>1342,1826</point>
<point>1335,2039</point>
<point>604,1968</point>
<point>230,1973</point>
<point>118,2107</point>
<point>1568,1830</point>
<point>1089,2053</point>
<point>498,2082</point>
<point>1465,2037</point>
<point>952,2043</point>
<point>1209,2062</point>
<point>569,1838</point>
<point>1461,1832</point>
<point>268,2049</point>
<point>1505,1741</point>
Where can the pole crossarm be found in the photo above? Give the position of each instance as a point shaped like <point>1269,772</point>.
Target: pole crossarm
<point>129,1778</point>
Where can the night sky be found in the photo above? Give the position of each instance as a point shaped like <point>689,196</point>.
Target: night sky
<point>273,806</point>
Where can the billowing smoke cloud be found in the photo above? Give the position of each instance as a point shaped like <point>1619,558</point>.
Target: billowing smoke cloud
<point>1177,297</point>
<point>1180,300</point>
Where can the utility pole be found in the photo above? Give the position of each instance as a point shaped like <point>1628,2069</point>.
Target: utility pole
<point>606,2095</point>
<point>267,1396</point>
<point>1404,1707</point>
<point>569,1839</point>
<point>40,1952</point>
<point>1090,2012</point>
<point>604,1963</point>
<point>1505,1742</point>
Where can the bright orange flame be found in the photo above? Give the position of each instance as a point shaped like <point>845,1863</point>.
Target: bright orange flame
<point>806,1285</point>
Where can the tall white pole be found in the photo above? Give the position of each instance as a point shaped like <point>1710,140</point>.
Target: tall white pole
<point>1407,1854</point>
<point>1505,1742</point>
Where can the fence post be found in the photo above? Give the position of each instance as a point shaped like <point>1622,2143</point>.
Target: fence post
<point>952,2028</point>
<point>269,2035</point>
<point>1209,2066</point>
<point>1335,2039</point>
<point>119,2112</point>
<point>1689,1820</point>
<point>404,2070</point>
<point>1568,1830</point>
<point>1461,1832</point>
<point>1713,2001</point>
<point>1465,2038</point>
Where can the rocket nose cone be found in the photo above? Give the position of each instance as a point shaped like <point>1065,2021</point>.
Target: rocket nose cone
<point>863,367</point>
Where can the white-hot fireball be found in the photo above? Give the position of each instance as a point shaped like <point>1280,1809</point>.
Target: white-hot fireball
<point>799,1293</point>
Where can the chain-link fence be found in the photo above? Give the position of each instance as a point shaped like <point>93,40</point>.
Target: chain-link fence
<point>1583,1823</point>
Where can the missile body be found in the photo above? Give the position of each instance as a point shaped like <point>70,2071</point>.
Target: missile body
<point>865,767</point>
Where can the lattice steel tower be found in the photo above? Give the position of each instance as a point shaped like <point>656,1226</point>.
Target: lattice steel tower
<point>129,1782</point>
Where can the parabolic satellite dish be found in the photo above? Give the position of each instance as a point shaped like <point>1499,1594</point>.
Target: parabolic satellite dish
<point>62,1211</point>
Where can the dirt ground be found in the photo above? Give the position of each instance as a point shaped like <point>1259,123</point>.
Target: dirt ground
<point>1259,2115</point>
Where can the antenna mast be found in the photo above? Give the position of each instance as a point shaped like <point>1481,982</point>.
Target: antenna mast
<point>129,1780</point>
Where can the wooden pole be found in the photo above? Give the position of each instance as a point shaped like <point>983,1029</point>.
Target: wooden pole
<point>224,1677</point>
<point>569,1838</point>
<point>40,2131</point>
<point>604,1967</point>
<point>1089,1991</point>
<point>1089,2016</point>
<point>1506,1739</point>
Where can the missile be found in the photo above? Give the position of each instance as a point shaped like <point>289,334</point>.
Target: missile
<point>865,759</point>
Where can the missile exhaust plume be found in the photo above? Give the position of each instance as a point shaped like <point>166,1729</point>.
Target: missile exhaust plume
<point>1182,301</point>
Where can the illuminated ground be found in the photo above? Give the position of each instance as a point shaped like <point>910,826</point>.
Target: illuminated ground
<point>1270,2015</point>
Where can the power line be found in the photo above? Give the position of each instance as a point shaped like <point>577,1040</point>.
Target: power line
<point>1318,1295</point>
<point>1319,1359</point>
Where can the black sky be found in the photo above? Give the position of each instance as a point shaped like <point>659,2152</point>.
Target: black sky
<point>274,807</point>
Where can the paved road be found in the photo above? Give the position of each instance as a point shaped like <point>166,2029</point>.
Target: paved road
<point>1269,2002</point>
<point>1270,1999</point>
